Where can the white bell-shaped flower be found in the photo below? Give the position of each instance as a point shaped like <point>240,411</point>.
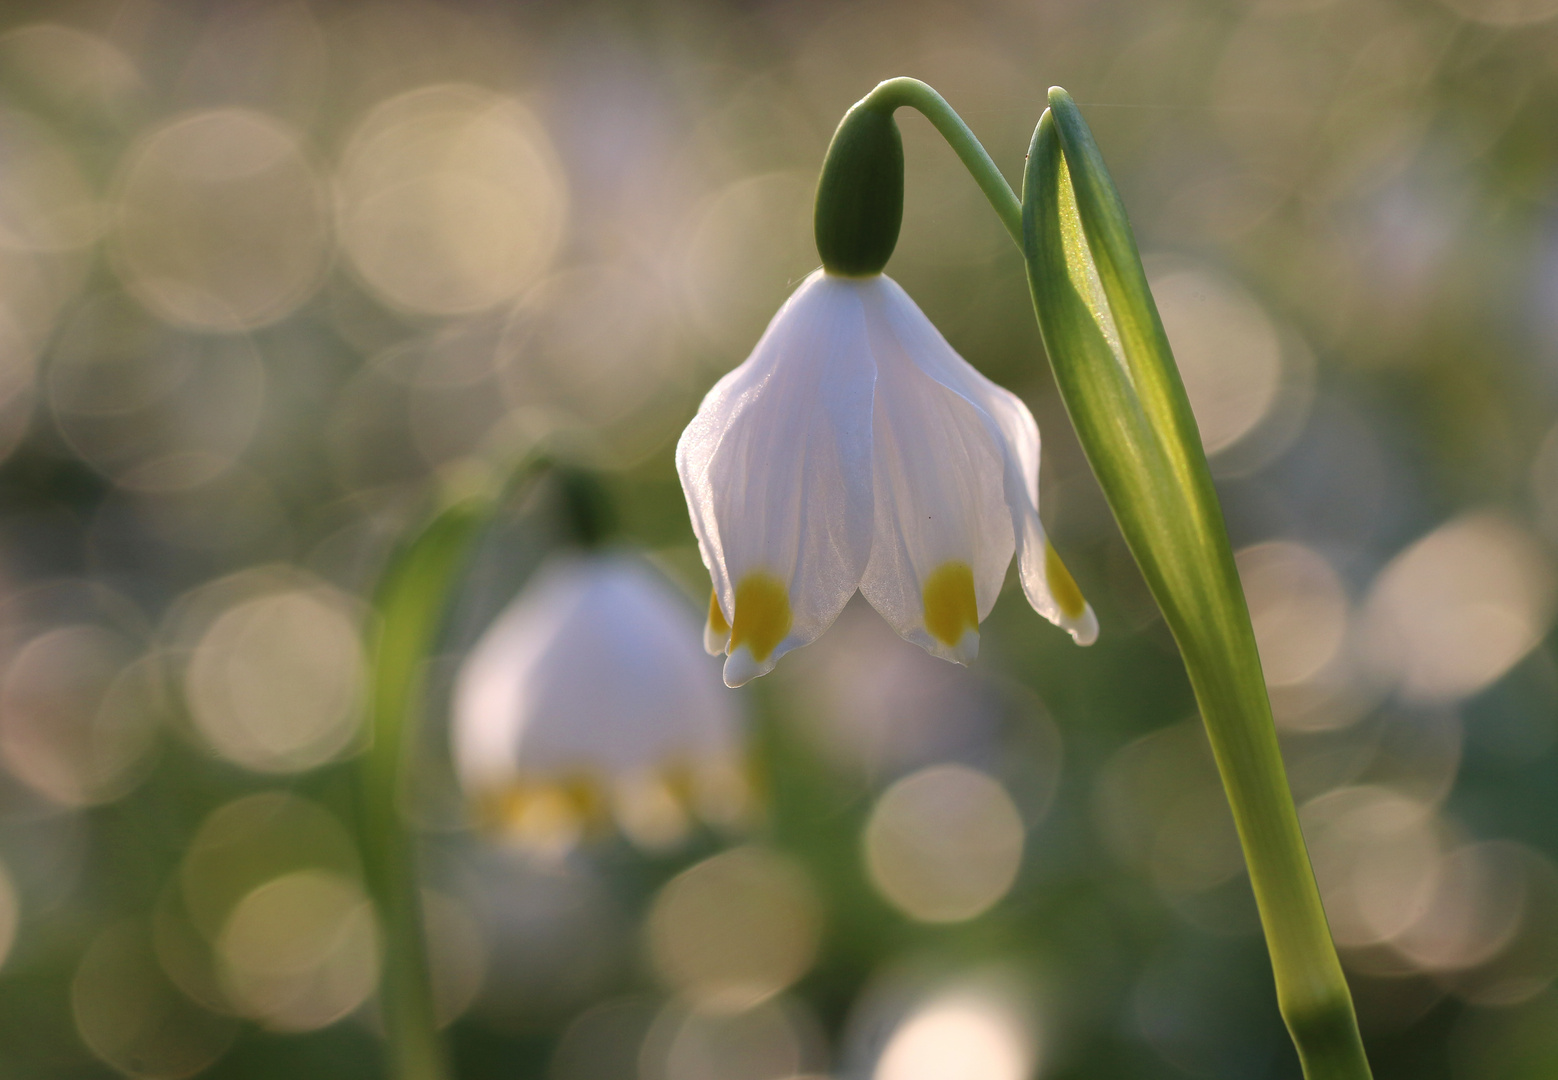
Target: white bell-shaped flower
<point>589,696</point>
<point>855,449</point>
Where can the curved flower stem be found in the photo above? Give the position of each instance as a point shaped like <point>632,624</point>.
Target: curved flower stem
<point>893,93</point>
<point>1117,375</point>
<point>410,604</point>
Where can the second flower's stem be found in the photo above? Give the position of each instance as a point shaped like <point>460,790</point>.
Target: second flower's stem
<point>410,606</point>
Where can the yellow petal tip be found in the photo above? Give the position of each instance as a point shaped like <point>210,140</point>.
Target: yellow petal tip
<point>741,667</point>
<point>545,817</point>
<point>1084,630</point>
<point>966,650</point>
<point>1062,586</point>
<point>951,609</point>
<point>716,631</point>
<point>762,616</point>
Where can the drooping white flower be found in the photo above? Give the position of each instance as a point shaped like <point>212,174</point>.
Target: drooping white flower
<point>855,449</point>
<point>589,696</point>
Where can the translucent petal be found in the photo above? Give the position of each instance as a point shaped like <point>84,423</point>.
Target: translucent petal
<point>594,670</point>
<point>1019,439</point>
<point>716,631</point>
<point>776,468</point>
<point>944,534</point>
<point>1049,586</point>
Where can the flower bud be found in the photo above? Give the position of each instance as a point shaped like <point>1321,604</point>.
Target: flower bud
<point>860,193</point>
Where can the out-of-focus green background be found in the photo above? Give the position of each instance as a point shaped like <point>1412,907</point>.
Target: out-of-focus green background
<point>268,271</point>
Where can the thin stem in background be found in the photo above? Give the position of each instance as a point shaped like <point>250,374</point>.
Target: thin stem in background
<point>411,604</point>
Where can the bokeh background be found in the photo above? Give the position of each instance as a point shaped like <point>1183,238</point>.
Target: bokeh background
<point>272,272</point>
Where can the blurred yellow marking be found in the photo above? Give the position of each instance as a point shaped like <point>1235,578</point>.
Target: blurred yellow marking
<point>539,813</point>
<point>1062,585</point>
<point>588,799</point>
<point>762,615</point>
<point>950,607</point>
<point>717,621</point>
<point>679,779</point>
<point>546,811</point>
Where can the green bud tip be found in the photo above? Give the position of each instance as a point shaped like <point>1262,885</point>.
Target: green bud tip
<point>860,193</point>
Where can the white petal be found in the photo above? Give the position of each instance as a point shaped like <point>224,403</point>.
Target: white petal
<point>648,811</point>
<point>716,630</point>
<point>944,533</point>
<point>595,671</point>
<point>776,468</point>
<point>1019,437</point>
<point>1048,585</point>
<point>714,642</point>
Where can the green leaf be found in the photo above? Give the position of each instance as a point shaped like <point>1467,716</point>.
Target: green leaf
<point>1118,378</point>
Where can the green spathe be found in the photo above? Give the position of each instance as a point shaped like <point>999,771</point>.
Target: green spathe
<point>860,192</point>
<point>1116,374</point>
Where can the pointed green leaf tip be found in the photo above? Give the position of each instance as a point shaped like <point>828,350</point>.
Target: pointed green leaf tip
<point>860,193</point>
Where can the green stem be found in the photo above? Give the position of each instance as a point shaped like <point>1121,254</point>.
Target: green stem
<point>893,93</point>
<point>410,605</point>
<point>1117,375</point>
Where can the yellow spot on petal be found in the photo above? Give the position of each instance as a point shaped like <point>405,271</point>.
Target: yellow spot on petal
<point>1062,585</point>
<point>547,814</point>
<point>950,607</point>
<point>762,615</point>
<point>538,815</point>
<point>678,777</point>
<point>717,621</point>
<point>588,798</point>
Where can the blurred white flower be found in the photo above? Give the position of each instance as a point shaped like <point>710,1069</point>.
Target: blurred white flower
<point>588,697</point>
<point>855,449</point>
